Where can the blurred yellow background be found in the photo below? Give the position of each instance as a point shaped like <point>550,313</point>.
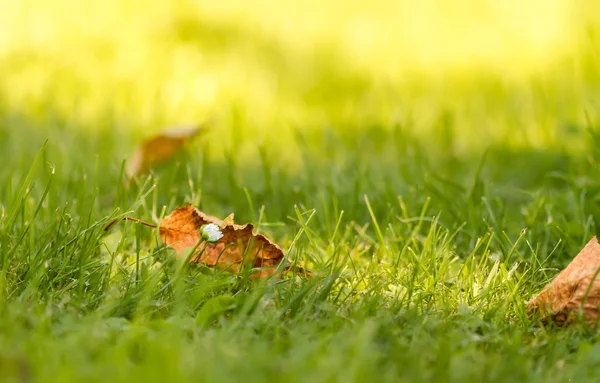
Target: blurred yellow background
<point>275,64</point>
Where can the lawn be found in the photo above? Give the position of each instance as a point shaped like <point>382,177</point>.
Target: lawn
<point>433,175</point>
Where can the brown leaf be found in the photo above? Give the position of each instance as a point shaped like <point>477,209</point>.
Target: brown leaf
<point>574,291</point>
<point>239,246</point>
<point>159,149</point>
<point>228,220</point>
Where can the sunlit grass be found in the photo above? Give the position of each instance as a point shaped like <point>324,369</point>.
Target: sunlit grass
<point>432,162</point>
<point>277,63</point>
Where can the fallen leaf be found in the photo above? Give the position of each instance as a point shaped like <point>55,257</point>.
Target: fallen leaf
<point>574,291</point>
<point>159,149</point>
<point>228,220</point>
<point>239,246</point>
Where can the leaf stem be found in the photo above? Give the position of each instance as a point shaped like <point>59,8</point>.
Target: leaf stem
<point>114,221</point>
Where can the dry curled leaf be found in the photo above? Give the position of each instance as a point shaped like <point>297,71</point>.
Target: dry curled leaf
<point>574,291</point>
<point>229,219</point>
<point>180,230</point>
<point>159,149</point>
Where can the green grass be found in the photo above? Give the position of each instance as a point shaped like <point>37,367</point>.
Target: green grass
<point>430,207</point>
